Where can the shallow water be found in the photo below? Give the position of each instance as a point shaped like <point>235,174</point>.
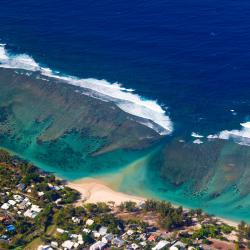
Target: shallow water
<point>187,61</point>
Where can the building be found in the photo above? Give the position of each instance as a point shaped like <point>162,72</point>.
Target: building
<point>89,222</point>
<point>178,246</point>
<point>118,242</point>
<point>5,206</point>
<point>161,244</point>
<point>68,244</point>
<point>107,238</point>
<point>45,247</point>
<point>103,230</point>
<point>99,245</point>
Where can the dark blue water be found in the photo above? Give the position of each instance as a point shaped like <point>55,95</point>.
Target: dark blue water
<point>192,56</point>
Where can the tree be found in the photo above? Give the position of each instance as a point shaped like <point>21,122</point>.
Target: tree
<point>4,156</point>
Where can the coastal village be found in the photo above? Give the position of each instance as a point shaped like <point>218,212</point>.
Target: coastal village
<point>39,211</point>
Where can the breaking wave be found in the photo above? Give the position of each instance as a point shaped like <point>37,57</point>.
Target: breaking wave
<point>148,112</point>
<point>241,136</point>
<point>196,135</point>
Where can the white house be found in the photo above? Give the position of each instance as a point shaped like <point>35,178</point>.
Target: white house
<point>99,245</point>
<point>103,230</point>
<point>5,206</point>
<point>134,246</point>
<point>60,231</point>
<point>161,244</point>
<point>68,244</point>
<point>45,247</point>
<point>118,242</point>
<point>18,198</point>
<point>89,222</point>
<point>76,220</point>
<point>107,238</point>
<point>178,246</point>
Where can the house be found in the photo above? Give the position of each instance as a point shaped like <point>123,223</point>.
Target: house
<point>152,237</point>
<point>141,205</point>
<point>73,236</point>
<point>96,234</point>
<point>5,206</point>
<point>12,202</point>
<point>24,204</point>
<point>18,198</point>
<point>86,230</point>
<point>130,232</point>
<point>178,246</point>
<point>40,194</point>
<point>107,238</point>
<point>45,247</point>
<point>31,214</point>
<point>143,243</point>
<point>103,230</point>
<point>21,187</point>
<point>99,245</point>
<point>54,244</point>
<point>89,222</point>
<point>80,239</point>
<point>76,220</point>
<point>161,244</point>
<point>134,246</point>
<point>143,237</point>
<point>118,242</point>
<point>36,208</point>
<point>60,231</point>
<point>68,244</point>
<point>76,245</point>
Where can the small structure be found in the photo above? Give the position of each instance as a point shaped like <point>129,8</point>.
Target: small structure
<point>40,194</point>
<point>152,237</point>
<point>161,244</point>
<point>99,245</point>
<point>21,187</point>
<point>45,247</point>
<point>76,220</point>
<point>12,202</point>
<point>68,244</point>
<point>89,222</point>
<point>5,206</point>
<point>118,242</point>
<point>107,238</point>
<point>178,246</point>
<point>130,232</point>
<point>18,198</point>
<point>60,231</point>
<point>103,230</point>
<point>134,246</point>
<point>54,244</point>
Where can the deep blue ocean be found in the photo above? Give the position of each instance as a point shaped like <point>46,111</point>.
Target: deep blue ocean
<point>191,56</point>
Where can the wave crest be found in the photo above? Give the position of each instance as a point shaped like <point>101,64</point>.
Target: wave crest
<point>155,116</point>
<point>241,136</point>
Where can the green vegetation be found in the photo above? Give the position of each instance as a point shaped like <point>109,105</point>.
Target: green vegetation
<point>56,218</point>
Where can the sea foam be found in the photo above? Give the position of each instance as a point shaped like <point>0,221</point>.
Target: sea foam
<point>153,114</point>
<point>241,136</point>
<point>196,135</point>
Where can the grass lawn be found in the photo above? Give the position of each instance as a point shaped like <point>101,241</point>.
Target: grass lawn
<point>51,230</point>
<point>34,244</point>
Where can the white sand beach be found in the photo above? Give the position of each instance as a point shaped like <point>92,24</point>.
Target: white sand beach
<point>94,190</point>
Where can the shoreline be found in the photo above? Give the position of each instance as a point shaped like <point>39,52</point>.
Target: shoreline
<point>93,190</point>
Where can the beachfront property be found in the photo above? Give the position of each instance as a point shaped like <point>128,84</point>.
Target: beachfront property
<point>66,224</point>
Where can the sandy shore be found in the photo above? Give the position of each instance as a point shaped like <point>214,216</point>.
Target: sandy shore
<point>95,190</point>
